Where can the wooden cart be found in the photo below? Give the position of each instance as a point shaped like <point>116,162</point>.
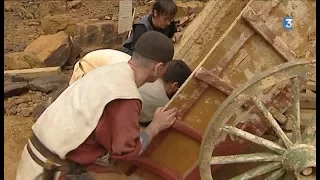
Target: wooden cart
<point>253,79</point>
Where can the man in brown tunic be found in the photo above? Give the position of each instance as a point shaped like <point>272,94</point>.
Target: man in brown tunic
<point>96,118</point>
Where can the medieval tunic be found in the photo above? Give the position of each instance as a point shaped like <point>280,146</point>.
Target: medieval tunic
<point>96,59</point>
<point>153,94</point>
<point>87,120</point>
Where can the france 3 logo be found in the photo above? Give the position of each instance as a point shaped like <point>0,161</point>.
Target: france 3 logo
<point>287,23</point>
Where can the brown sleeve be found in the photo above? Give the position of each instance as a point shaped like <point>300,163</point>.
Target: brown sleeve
<point>118,129</point>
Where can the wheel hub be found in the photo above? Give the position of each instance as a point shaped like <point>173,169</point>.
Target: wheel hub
<point>299,157</point>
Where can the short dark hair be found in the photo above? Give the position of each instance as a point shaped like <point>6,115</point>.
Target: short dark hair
<point>177,71</point>
<point>165,7</point>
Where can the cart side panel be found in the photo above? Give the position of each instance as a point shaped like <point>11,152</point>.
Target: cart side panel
<point>206,29</point>
<point>242,53</point>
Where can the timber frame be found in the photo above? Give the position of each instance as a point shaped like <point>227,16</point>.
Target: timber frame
<point>211,78</point>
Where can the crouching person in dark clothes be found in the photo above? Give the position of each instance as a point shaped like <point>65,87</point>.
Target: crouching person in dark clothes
<point>161,20</point>
<point>96,119</point>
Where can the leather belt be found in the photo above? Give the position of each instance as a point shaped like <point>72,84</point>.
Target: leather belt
<point>50,167</point>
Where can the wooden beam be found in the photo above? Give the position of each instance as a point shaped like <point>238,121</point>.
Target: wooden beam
<point>35,72</point>
<point>277,115</point>
<point>311,86</point>
<point>187,130</point>
<point>259,26</point>
<point>214,81</point>
<point>151,165</point>
<point>228,56</point>
<point>263,9</point>
<point>197,26</point>
<point>307,101</point>
<point>202,85</point>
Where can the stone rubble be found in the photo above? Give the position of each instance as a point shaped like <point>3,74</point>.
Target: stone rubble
<point>66,38</point>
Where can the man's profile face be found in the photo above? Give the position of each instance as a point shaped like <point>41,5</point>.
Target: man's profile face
<point>162,20</point>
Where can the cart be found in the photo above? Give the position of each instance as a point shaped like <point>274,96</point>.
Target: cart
<point>254,86</point>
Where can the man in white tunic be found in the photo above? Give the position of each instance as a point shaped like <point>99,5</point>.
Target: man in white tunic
<point>95,119</point>
<point>154,95</point>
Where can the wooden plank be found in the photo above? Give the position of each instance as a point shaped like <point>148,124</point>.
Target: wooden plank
<point>263,11</point>
<point>196,25</point>
<point>214,81</point>
<point>311,86</point>
<point>206,30</point>
<point>308,101</point>
<point>258,25</point>
<point>125,16</point>
<point>224,61</point>
<point>187,130</point>
<point>263,8</point>
<point>35,72</point>
<point>278,115</point>
<point>203,86</point>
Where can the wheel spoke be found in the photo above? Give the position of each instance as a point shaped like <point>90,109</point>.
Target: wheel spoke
<point>260,170</point>
<point>242,116</point>
<point>288,176</point>
<point>276,174</point>
<point>253,138</point>
<point>296,108</point>
<point>274,124</point>
<point>313,143</point>
<point>310,131</point>
<point>245,158</point>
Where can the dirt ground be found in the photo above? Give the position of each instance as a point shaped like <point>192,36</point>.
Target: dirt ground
<point>17,129</point>
<point>22,26</point>
<point>22,18</point>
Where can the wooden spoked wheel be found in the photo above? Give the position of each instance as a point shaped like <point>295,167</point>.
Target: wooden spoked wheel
<point>295,156</point>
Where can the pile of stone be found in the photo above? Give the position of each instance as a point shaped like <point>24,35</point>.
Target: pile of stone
<point>35,74</point>
<point>24,94</point>
<point>66,39</point>
<point>23,105</point>
<point>37,70</point>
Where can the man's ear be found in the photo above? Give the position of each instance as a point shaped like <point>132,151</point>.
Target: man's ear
<point>175,86</point>
<point>159,69</point>
<point>155,13</point>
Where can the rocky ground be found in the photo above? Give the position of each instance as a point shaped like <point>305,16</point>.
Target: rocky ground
<point>42,34</point>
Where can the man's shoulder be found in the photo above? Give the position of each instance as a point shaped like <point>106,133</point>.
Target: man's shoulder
<point>153,92</point>
<point>105,52</point>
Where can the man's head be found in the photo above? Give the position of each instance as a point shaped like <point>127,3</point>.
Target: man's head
<point>151,53</point>
<point>163,12</point>
<point>176,74</point>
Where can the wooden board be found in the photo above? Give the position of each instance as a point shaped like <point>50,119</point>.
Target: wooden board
<point>206,29</point>
<point>236,55</point>
<point>35,72</point>
<point>125,16</point>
